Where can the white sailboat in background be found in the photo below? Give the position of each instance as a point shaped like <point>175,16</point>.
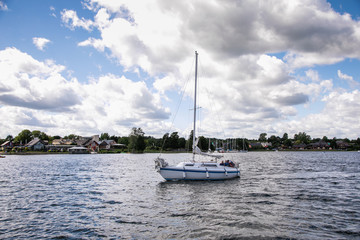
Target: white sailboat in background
<point>195,170</point>
<point>244,149</point>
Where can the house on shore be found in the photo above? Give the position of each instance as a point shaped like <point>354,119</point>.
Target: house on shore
<point>342,145</point>
<point>36,145</point>
<point>318,145</point>
<point>105,145</point>
<point>7,146</point>
<point>91,144</point>
<point>78,150</point>
<point>260,145</point>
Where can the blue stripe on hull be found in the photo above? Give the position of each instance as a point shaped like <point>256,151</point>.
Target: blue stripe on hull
<point>199,171</point>
<point>199,179</point>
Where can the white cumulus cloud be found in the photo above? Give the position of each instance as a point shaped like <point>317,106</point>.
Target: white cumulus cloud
<point>71,19</point>
<point>236,40</point>
<point>35,94</point>
<point>40,43</point>
<point>349,79</point>
<point>257,68</point>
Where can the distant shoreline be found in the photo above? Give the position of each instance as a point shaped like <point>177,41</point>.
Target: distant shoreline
<point>163,152</point>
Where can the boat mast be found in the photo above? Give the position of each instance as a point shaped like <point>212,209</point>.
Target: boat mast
<point>194,130</point>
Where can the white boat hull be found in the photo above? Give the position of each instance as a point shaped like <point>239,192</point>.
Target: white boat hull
<point>198,171</point>
<point>173,174</point>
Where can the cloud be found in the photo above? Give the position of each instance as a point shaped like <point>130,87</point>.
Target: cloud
<point>33,84</point>
<point>310,32</point>
<point>242,75</point>
<point>341,107</point>
<point>313,75</point>
<point>349,79</point>
<point>118,99</point>
<point>52,11</point>
<point>96,43</point>
<point>336,119</point>
<point>295,99</point>
<point>72,21</point>
<point>29,118</point>
<point>36,94</point>
<point>51,104</point>
<point>3,6</point>
<point>40,43</point>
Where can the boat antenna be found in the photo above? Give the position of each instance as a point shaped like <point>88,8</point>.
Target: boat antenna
<point>194,130</point>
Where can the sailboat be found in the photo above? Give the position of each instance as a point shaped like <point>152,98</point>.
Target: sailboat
<point>244,150</point>
<point>196,170</point>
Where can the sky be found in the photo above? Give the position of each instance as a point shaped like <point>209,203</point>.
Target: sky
<point>95,66</point>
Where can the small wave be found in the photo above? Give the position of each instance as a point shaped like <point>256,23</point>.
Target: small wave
<point>113,202</point>
<point>313,197</point>
<point>231,237</point>
<point>349,233</point>
<point>181,215</point>
<point>60,237</point>
<point>265,202</point>
<point>130,222</point>
<point>96,193</point>
<point>261,195</point>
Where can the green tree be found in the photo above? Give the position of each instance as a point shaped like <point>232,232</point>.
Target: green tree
<point>333,143</point>
<point>212,144</point>
<point>203,143</point>
<point>165,141</point>
<point>153,143</point>
<point>137,140</point>
<point>115,138</point>
<point>44,136</point>
<point>285,137</point>
<point>302,137</point>
<point>189,142</point>
<point>288,143</point>
<point>40,135</point>
<point>275,141</point>
<point>174,140</point>
<point>72,136</point>
<point>104,136</point>
<point>123,140</point>
<point>24,137</point>
<point>357,144</point>
<point>262,137</point>
<point>182,142</point>
<point>9,138</point>
<point>36,133</point>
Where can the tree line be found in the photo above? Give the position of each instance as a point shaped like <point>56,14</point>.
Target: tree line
<point>136,141</point>
<point>304,138</point>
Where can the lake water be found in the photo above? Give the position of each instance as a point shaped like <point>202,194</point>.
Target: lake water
<point>280,195</point>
